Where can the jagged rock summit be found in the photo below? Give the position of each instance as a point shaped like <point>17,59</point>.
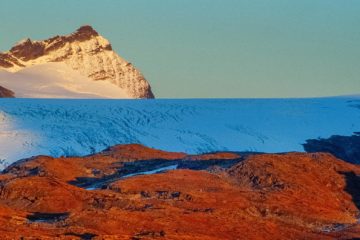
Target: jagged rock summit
<point>83,55</point>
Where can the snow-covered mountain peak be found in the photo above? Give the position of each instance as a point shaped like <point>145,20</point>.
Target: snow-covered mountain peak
<point>84,51</point>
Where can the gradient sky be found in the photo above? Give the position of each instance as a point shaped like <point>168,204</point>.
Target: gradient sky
<point>212,48</point>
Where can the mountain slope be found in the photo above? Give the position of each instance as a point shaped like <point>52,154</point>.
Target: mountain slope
<point>85,52</point>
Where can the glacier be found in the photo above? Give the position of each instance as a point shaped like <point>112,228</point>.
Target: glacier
<point>77,127</point>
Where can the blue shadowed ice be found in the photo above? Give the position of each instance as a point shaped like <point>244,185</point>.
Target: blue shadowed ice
<point>61,127</point>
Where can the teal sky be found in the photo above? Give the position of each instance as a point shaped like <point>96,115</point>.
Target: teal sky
<point>212,48</point>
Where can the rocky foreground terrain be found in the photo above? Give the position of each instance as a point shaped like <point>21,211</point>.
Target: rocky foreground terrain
<point>135,192</point>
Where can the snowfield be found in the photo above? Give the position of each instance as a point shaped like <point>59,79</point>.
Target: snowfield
<point>56,80</point>
<point>60,127</point>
